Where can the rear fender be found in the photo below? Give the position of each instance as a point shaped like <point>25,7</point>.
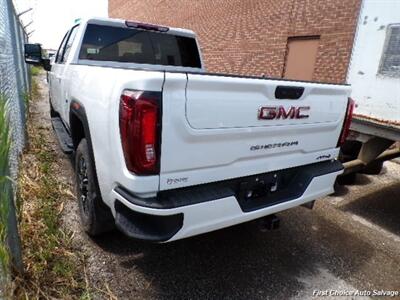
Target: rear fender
<point>78,123</point>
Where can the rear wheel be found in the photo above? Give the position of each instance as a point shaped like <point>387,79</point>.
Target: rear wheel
<point>96,217</point>
<point>346,179</point>
<point>373,168</point>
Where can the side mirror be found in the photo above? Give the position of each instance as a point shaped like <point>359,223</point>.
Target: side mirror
<point>33,54</point>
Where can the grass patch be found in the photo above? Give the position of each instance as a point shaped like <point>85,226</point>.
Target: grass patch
<point>54,268</point>
<point>5,189</point>
<point>35,91</point>
<point>35,71</point>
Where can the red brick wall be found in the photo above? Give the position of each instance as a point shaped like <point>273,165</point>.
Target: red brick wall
<point>249,37</point>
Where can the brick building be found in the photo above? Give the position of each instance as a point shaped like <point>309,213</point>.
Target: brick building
<point>300,39</point>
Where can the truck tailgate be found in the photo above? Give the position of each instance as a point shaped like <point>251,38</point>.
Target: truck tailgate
<point>220,127</point>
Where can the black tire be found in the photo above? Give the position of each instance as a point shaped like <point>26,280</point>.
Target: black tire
<point>96,217</point>
<point>351,148</point>
<point>373,168</point>
<point>349,151</point>
<point>347,179</point>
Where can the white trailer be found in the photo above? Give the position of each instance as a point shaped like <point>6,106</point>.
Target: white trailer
<point>374,74</point>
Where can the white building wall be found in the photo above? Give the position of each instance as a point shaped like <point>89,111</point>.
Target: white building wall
<point>377,96</point>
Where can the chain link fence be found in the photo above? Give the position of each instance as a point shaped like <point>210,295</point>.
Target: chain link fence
<point>14,78</point>
<point>14,90</point>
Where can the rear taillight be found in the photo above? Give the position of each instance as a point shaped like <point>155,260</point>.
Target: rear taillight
<point>347,122</point>
<point>139,114</point>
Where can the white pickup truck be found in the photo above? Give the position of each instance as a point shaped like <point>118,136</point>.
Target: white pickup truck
<point>164,150</point>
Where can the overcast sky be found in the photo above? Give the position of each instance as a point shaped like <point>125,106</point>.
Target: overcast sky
<point>52,18</point>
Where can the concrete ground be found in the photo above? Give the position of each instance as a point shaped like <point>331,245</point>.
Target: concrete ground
<point>349,241</point>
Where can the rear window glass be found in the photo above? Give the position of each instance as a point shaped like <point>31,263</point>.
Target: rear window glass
<point>108,43</point>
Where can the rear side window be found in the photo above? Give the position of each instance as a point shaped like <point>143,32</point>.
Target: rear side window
<point>106,43</point>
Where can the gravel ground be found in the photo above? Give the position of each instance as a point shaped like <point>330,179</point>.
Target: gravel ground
<point>349,241</point>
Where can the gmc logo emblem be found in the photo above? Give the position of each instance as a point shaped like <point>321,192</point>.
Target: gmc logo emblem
<point>279,112</point>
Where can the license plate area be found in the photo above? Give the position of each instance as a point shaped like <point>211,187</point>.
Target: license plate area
<point>258,187</point>
<point>264,190</point>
